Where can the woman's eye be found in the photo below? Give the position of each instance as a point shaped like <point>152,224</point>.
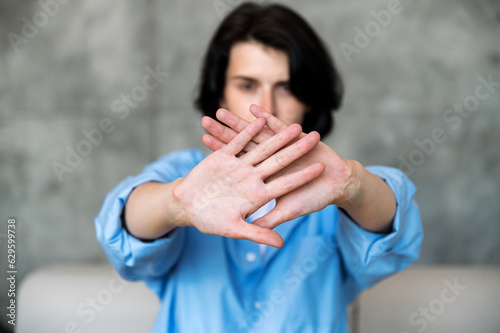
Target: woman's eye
<point>285,87</point>
<point>247,86</point>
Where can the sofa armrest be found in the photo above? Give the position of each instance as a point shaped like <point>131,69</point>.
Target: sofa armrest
<point>83,298</point>
<point>433,299</point>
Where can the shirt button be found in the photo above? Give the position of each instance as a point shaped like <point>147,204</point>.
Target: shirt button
<point>257,305</point>
<point>250,257</point>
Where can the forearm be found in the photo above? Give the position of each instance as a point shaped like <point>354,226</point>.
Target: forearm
<point>372,203</point>
<point>152,210</point>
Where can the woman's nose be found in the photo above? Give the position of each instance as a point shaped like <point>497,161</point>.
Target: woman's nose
<point>268,102</point>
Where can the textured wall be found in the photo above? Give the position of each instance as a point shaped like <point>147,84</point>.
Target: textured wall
<point>66,70</point>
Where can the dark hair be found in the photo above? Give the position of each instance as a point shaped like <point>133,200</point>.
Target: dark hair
<point>313,78</point>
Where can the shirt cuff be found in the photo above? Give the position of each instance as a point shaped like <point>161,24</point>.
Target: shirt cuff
<point>133,258</point>
<point>373,256</point>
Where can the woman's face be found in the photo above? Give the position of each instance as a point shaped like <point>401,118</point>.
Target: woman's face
<point>257,74</point>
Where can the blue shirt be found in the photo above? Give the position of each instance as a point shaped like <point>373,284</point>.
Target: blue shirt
<point>209,283</point>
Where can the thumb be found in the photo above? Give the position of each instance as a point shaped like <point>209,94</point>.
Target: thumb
<point>280,214</point>
<point>257,234</point>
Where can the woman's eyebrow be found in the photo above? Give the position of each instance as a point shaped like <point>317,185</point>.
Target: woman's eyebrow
<point>247,78</point>
<point>242,77</point>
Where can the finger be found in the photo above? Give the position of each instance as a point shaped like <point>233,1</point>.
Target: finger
<point>239,142</point>
<point>215,144</point>
<point>211,142</point>
<point>272,122</point>
<point>289,182</point>
<point>231,120</point>
<point>238,124</point>
<point>254,233</point>
<point>265,149</point>
<point>287,155</point>
<point>221,132</point>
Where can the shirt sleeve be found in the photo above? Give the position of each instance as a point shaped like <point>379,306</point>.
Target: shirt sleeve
<point>370,257</point>
<point>135,259</point>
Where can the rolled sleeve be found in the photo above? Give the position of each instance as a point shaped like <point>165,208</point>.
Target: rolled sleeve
<point>370,257</point>
<point>133,258</point>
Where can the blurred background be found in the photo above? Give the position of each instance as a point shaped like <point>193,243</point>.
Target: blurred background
<point>422,94</point>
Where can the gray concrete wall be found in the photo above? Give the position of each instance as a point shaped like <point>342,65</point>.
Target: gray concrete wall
<point>63,66</point>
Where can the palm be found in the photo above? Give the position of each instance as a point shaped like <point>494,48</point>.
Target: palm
<point>222,184</point>
<point>227,186</point>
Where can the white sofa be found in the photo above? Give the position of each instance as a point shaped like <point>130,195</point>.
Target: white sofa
<point>92,298</point>
<point>432,299</point>
<point>77,298</point>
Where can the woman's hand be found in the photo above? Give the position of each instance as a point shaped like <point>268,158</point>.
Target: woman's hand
<point>345,183</point>
<point>226,187</point>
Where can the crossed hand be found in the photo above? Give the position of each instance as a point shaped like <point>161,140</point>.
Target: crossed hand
<point>252,164</point>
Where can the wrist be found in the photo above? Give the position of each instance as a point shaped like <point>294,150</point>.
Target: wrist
<point>175,212</point>
<point>353,192</point>
<point>369,200</point>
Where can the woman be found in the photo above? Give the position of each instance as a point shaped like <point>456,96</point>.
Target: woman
<point>322,227</point>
